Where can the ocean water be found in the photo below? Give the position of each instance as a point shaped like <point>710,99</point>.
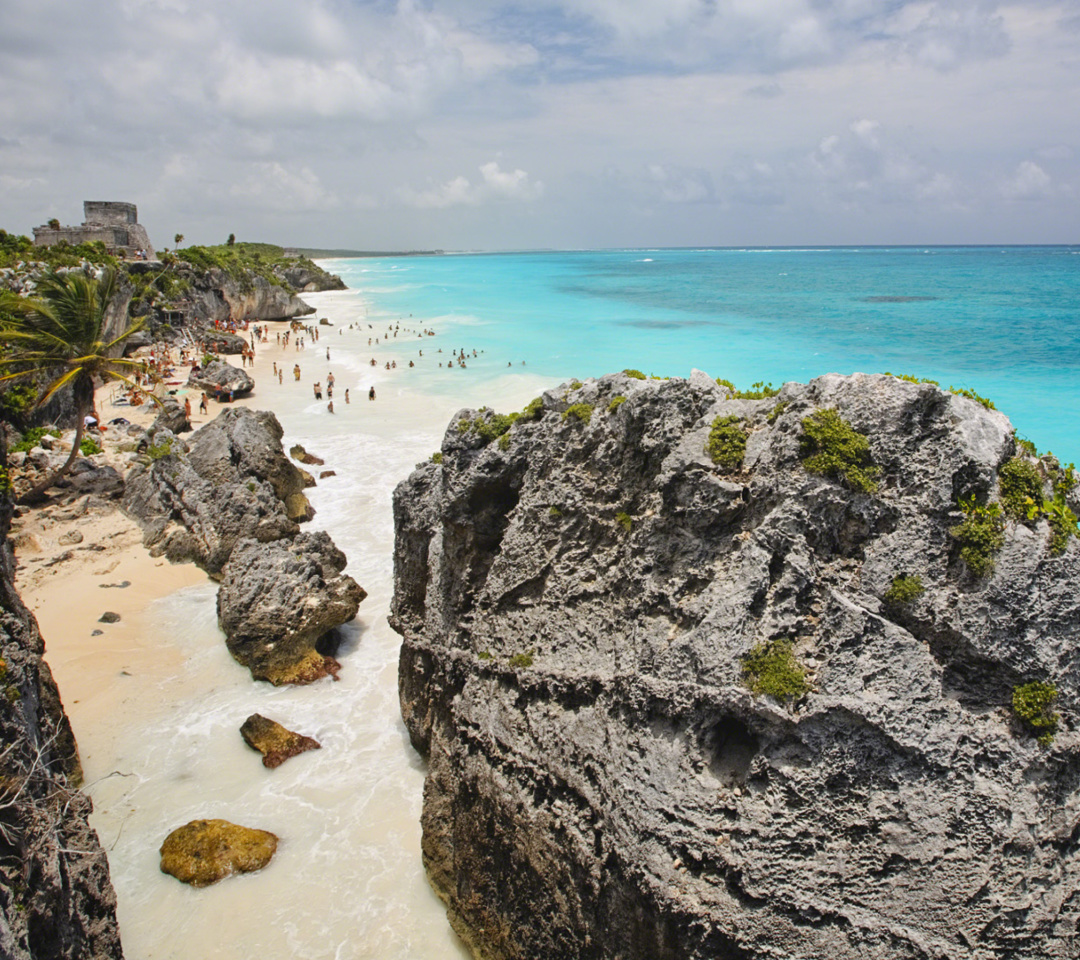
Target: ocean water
<point>347,882</point>
<point>1003,321</point>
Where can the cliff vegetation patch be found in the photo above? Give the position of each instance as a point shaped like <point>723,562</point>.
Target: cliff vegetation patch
<point>581,412</point>
<point>757,391</point>
<point>771,669</point>
<point>833,448</point>
<point>1020,485</point>
<point>981,535</point>
<point>904,589</point>
<point>726,445</point>
<point>1033,705</point>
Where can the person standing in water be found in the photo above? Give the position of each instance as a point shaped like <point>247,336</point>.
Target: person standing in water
<point>371,394</point>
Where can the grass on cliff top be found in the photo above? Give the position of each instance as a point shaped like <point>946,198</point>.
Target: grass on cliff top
<point>726,445</point>
<point>16,247</point>
<point>833,448</point>
<point>981,535</point>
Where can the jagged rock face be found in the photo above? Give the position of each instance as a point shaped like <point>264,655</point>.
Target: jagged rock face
<point>280,603</point>
<point>218,376</point>
<point>603,784</point>
<point>311,279</point>
<point>56,897</point>
<point>229,482</point>
<point>215,295</point>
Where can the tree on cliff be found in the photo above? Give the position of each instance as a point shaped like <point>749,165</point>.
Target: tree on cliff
<point>58,337</point>
<point>178,239</point>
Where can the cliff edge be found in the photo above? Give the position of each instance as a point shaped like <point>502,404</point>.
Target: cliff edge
<point>707,677</point>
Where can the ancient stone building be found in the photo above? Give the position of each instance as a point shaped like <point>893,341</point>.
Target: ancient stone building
<point>115,224</point>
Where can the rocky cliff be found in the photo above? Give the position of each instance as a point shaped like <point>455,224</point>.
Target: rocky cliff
<point>56,899</point>
<point>707,677</point>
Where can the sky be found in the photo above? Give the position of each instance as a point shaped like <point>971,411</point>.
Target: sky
<point>492,125</point>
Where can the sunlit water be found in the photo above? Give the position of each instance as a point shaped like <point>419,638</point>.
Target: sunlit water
<point>347,880</point>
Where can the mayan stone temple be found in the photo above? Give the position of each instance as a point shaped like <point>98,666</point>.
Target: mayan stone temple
<point>114,223</point>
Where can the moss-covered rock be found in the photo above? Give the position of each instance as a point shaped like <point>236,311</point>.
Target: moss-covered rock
<point>276,743</point>
<point>203,852</point>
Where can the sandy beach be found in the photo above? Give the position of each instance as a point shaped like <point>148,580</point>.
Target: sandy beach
<point>155,700</point>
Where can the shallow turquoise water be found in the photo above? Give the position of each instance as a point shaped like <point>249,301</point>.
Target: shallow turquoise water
<point>1000,320</point>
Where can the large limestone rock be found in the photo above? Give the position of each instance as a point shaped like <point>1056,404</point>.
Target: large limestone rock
<point>577,601</point>
<point>230,481</point>
<point>219,377</point>
<point>203,852</point>
<point>280,604</point>
<point>56,897</point>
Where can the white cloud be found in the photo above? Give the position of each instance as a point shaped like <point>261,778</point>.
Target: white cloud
<point>495,184</point>
<point>1028,182</point>
<point>679,185</point>
<point>277,188</point>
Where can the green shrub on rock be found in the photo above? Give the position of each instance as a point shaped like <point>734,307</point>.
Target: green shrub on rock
<point>1032,704</point>
<point>533,409</point>
<point>772,669</point>
<point>981,535</point>
<point>522,661</point>
<point>904,589</point>
<point>1021,487</point>
<point>579,411</point>
<point>726,445</point>
<point>833,448</point>
<point>635,374</point>
<point>625,521</point>
<point>616,402</point>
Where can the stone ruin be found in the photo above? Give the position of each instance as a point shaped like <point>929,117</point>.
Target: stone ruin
<point>114,223</point>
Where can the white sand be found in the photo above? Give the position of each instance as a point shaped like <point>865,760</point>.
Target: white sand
<point>156,701</point>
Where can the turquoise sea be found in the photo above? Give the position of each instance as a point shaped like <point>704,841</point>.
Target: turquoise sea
<point>1003,321</point>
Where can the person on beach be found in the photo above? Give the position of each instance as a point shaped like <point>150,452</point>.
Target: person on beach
<point>296,372</point>
<point>330,407</point>
<point>371,394</point>
<point>318,391</point>
<point>187,408</point>
<point>203,403</point>
<point>346,394</point>
<point>329,391</point>
<point>281,376</point>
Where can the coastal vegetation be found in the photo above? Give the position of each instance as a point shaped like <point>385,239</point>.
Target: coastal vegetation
<point>757,391</point>
<point>833,448</point>
<point>981,534</point>
<point>771,669</point>
<point>1033,706</point>
<point>726,445</point>
<point>625,521</point>
<point>635,374</point>
<point>60,338</point>
<point>582,412</point>
<point>615,403</point>
<point>904,589</point>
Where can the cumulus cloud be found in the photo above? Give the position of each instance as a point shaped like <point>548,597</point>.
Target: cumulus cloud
<point>681,185</point>
<point>1028,182</point>
<point>494,184</point>
<point>274,186</point>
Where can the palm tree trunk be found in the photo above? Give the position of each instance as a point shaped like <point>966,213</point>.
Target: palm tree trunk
<point>84,403</point>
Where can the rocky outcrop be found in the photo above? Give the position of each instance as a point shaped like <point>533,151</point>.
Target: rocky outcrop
<point>306,277</point>
<point>203,852</point>
<point>275,742</point>
<point>216,295</point>
<point>171,417</point>
<point>281,603</point>
<point>586,603</point>
<point>219,377</point>
<point>230,481</point>
<point>56,898</point>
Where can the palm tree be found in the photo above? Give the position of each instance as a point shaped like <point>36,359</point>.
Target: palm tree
<point>60,336</point>
<point>178,239</point>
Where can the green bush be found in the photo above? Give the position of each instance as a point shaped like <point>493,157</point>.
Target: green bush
<point>533,409</point>
<point>910,379</point>
<point>616,402</point>
<point>31,438</point>
<point>522,660</point>
<point>490,427</point>
<point>1033,704</point>
<point>1026,445</point>
<point>772,669</point>
<point>625,521</point>
<point>17,401</point>
<point>484,655</point>
<point>504,441</point>
<point>158,451</point>
<point>579,411</point>
<point>757,391</point>
<point>88,446</point>
<point>726,445</point>
<point>436,457</point>
<point>1021,487</point>
<point>904,589</point>
<point>981,535</point>
<point>972,395</point>
<point>1063,524</point>
<point>635,374</point>
<point>576,385</point>
<point>554,511</point>
<point>833,448</point>
<point>776,411</point>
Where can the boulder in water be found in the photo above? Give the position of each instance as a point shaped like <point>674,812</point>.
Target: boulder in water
<point>203,852</point>
<point>276,743</point>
